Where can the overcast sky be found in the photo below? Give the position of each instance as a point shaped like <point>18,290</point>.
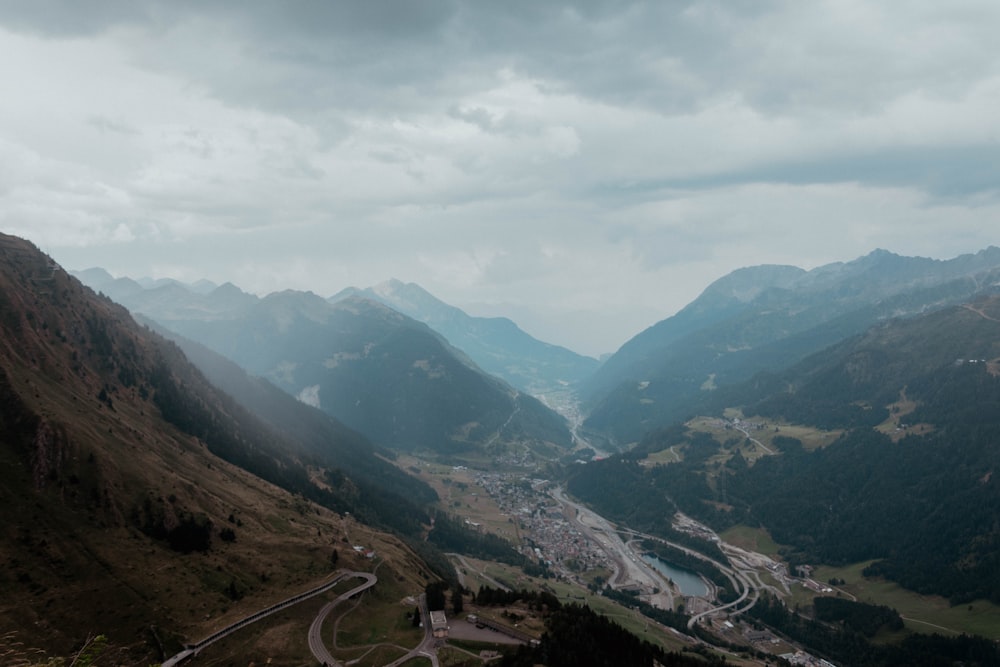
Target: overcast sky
<point>586,169</point>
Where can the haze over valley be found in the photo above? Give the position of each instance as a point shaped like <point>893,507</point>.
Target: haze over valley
<point>522,334</point>
<point>767,432</point>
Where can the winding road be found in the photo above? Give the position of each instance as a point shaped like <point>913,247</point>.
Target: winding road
<point>426,648</point>
<point>316,645</point>
<point>468,566</point>
<point>628,567</point>
<point>192,650</point>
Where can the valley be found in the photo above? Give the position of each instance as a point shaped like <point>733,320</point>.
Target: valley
<point>255,447</point>
<point>581,548</point>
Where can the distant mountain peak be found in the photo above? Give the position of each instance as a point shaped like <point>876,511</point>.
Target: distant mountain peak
<point>359,303</point>
<point>496,344</point>
<point>391,286</point>
<point>766,318</point>
<point>745,284</point>
<point>228,288</point>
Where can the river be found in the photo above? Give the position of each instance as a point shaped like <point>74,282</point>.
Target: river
<point>688,582</point>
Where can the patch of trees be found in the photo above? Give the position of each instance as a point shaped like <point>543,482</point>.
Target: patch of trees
<point>189,533</point>
<point>861,617</point>
<point>495,597</point>
<point>433,557</point>
<point>620,490</point>
<point>644,499</point>
<point>435,595</point>
<point>450,534</point>
<point>924,507</point>
<point>576,636</point>
<point>848,646</point>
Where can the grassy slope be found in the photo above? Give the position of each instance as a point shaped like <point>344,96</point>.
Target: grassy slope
<point>83,449</point>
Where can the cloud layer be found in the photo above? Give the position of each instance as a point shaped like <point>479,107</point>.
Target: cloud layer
<point>587,169</point>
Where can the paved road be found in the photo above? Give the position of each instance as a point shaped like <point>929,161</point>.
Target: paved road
<point>316,645</point>
<point>426,648</point>
<point>631,569</point>
<point>193,649</point>
<point>469,566</point>
<point>754,440</point>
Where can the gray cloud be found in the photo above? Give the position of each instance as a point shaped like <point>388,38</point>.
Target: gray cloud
<point>567,159</point>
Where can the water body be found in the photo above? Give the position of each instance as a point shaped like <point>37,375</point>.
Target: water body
<point>688,582</point>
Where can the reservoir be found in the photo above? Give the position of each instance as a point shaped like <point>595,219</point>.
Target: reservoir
<point>689,582</point>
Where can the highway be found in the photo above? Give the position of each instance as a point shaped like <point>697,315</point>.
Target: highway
<point>629,568</point>
<point>743,568</point>
<point>468,566</point>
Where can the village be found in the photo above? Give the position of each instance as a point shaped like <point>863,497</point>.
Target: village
<point>545,533</point>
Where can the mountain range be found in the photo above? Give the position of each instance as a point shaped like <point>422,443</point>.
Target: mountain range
<point>380,372</point>
<point>765,318</point>
<point>496,344</point>
<point>909,485</point>
<point>141,501</point>
<point>213,442</point>
<point>753,319</point>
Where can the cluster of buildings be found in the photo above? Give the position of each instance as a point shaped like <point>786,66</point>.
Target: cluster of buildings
<point>364,551</point>
<point>803,658</point>
<point>742,424</point>
<point>522,459</point>
<point>548,536</point>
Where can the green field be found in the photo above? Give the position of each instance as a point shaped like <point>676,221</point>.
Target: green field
<point>751,539</point>
<point>811,437</point>
<point>629,619</point>
<point>379,617</point>
<point>922,613</point>
<point>461,495</point>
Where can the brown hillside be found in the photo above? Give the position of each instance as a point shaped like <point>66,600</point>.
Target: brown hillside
<point>116,521</point>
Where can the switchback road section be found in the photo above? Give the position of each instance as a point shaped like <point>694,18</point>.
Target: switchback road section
<point>192,650</point>
<point>316,645</point>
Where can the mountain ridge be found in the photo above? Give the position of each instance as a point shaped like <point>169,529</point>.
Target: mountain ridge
<point>359,360</point>
<point>134,491</point>
<point>907,482</point>
<point>496,344</point>
<point>664,371</point>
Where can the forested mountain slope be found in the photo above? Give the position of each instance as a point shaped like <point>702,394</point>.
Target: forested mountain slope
<point>496,344</point>
<point>767,318</point>
<point>321,437</point>
<point>139,501</point>
<point>911,484</point>
<point>381,373</point>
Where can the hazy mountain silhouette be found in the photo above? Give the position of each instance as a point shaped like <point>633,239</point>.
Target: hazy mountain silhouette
<point>382,373</point>
<point>766,318</point>
<point>137,495</point>
<point>496,344</point>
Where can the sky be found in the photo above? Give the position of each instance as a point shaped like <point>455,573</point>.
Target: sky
<point>586,169</point>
